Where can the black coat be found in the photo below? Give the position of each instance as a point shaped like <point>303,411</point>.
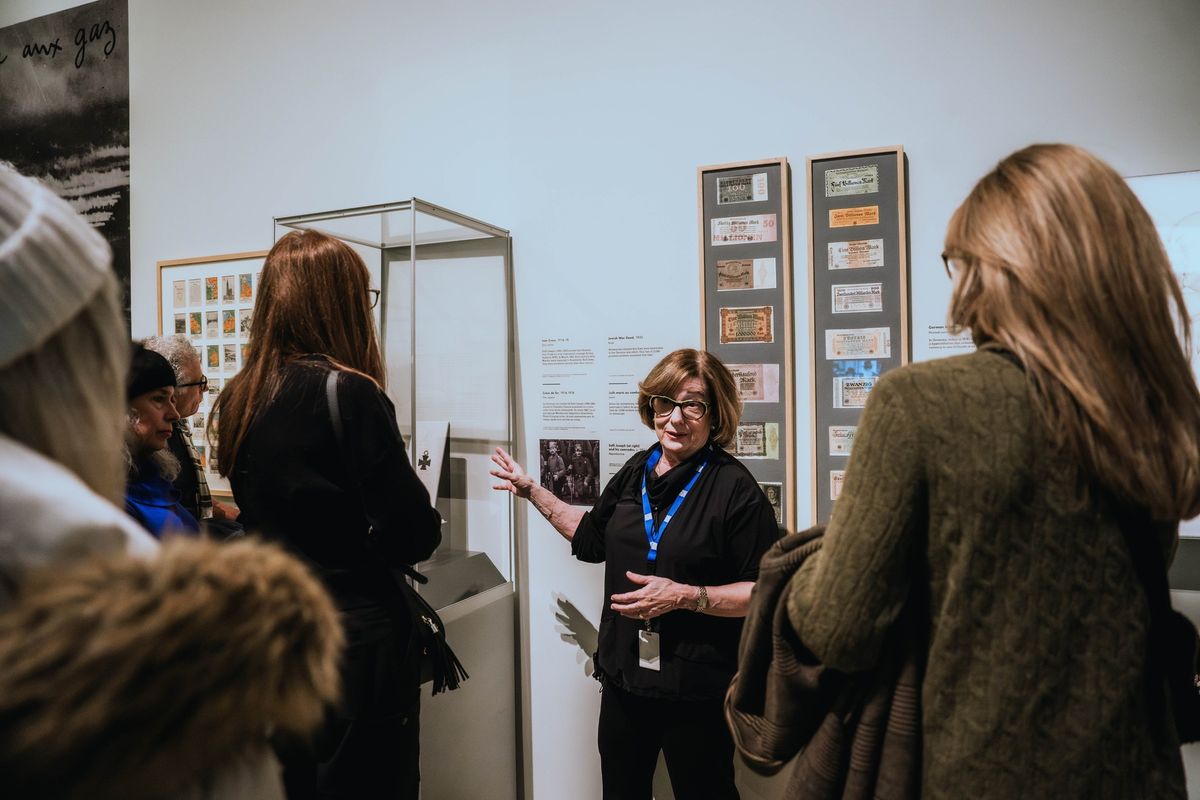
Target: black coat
<point>351,509</point>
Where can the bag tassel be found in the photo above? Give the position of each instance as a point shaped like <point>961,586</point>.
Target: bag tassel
<point>448,671</point>
<point>445,670</point>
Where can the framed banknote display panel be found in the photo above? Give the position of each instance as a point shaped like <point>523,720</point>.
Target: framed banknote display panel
<point>858,298</point>
<point>210,299</point>
<point>746,312</point>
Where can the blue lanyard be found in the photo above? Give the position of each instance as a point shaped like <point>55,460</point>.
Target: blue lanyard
<point>653,536</point>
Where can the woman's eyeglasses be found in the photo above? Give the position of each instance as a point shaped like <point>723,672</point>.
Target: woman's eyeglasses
<point>374,295</point>
<point>665,407</point>
<point>952,262</point>
<point>202,383</point>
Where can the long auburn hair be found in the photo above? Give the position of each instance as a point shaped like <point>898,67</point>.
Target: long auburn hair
<point>1058,262</point>
<point>312,299</point>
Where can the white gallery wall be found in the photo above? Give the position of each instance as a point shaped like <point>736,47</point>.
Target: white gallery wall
<point>579,126</point>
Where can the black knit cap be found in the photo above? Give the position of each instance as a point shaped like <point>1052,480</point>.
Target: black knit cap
<point>149,371</point>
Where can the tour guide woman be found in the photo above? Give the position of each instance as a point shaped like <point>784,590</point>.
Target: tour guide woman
<point>681,528</point>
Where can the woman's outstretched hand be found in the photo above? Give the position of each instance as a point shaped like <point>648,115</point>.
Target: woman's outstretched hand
<point>512,474</point>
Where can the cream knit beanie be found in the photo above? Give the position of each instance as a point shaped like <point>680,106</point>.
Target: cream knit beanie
<point>52,262</point>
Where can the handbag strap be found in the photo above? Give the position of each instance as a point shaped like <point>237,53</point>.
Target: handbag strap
<point>335,418</point>
<point>331,400</point>
<point>1172,636</point>
<point>1141,539</point>
<point>447,670</point>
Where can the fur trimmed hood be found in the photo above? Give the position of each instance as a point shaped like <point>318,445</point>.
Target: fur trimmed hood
<point>135,678</point>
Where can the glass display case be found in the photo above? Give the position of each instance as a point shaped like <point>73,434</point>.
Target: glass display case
<point>445,319</point>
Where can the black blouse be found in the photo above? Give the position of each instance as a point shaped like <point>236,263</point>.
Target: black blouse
<point>717,537</point>
<point>346,508</point>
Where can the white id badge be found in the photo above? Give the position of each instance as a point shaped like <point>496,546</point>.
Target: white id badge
<point>648,652</point>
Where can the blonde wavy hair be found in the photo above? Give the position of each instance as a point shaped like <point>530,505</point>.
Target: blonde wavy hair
<point>1056,260</point>
<point>66,398</point>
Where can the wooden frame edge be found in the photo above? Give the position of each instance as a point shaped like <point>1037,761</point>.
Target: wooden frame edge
<point>812,338</point>
<point>700,253</point>
<point>906,295</point>
<point>866,151</point>
<point>789,346</point>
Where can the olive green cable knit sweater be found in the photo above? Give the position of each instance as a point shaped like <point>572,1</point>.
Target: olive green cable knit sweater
<point>1037,622</point>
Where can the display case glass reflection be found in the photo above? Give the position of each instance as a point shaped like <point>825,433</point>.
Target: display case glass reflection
<point>445,323</point>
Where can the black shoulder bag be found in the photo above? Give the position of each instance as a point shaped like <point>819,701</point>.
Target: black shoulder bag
<point>1173,643</point>
<point>438,663</point>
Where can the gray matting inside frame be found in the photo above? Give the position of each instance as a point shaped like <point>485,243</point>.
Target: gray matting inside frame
<point>776,352</point>
<point>834,377</point>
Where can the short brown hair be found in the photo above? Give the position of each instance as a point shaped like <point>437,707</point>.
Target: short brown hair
<point>669,374</point>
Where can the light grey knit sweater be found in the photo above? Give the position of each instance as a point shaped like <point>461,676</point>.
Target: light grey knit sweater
<point>1037,622</point>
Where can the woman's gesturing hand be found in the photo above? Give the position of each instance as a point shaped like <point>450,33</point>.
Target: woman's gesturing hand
<point>512,474</point>
<point>656,597</point>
